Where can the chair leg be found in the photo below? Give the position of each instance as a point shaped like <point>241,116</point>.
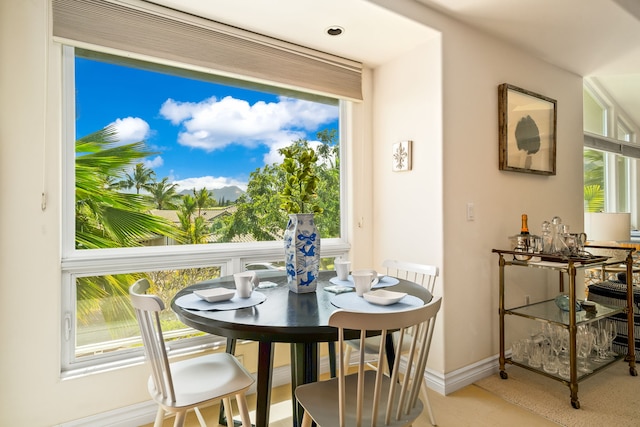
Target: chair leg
<point>228,410</point>
<point>159,417</point>
<point>200,417</point>
<point>306,420</point>
<point>179,421</point>
<point>244,409</point>
<point>426,402</point>
<point>347,357</point>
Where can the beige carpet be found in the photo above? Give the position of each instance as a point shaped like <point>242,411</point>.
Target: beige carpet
<point>609,398</point>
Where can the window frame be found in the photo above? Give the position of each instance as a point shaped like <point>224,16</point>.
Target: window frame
<point>230,257</point>
<point>621,157</point>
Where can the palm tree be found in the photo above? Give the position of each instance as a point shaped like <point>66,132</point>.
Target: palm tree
<point>202,199</point>
<point>164,194</point>
<point>593,198</point>
<point>141,178</point>
<point>593,180</point>
<point>107,218</point>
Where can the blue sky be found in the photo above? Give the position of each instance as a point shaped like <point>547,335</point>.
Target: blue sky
<point>206,135</point>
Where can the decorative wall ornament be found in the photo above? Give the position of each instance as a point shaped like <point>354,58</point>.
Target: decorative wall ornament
<point>401,156</point>
<point>527,131</point>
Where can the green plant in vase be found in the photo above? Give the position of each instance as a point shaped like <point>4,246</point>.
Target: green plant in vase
<point>300,188</point>
<point>298,199</point>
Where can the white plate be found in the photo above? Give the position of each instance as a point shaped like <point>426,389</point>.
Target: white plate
<point>215,294</point>
<point>383,297</point>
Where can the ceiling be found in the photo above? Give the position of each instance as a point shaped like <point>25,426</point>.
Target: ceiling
<point>592,38</point>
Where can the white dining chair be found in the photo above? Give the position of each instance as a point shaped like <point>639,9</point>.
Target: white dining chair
<point>371,397</point>
<point>187,384</point>
<point>422,274</point>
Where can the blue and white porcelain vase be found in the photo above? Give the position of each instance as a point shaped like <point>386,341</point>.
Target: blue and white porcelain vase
<point>302,253</point>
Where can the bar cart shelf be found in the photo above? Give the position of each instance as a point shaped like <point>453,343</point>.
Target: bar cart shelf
<point>548,311</point>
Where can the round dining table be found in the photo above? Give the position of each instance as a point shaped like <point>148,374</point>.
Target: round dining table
<point>285,317</point>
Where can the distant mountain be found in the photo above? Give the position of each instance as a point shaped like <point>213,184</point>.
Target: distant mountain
<point>230,193</point>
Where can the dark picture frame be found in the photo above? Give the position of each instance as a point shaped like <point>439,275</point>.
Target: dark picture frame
<point>527,131</point>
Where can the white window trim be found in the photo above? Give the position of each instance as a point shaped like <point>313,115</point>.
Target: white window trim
<point>81,263</point>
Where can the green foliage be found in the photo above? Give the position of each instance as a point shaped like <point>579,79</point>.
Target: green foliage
<point>164,194</point>
<point>593,198</point>
<point>258,213</point>
<point>593,180</point>
<point>141,178</point>
<point>203,199</point>
<point>106,217</point>
<point>301,180</point>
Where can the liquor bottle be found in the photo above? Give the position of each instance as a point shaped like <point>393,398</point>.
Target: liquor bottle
<point>524,230</point>
<point>521,241</point>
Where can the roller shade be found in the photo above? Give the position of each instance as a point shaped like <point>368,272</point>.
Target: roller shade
<point>148,29</point>
<point>611,145</point>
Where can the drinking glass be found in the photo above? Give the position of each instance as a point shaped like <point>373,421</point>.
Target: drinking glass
<point>535,355</point>
<point>518,350</point>
<point>549,358</point>
<point>584,346</point>
<point>612,333</point>
<point>600,343</point>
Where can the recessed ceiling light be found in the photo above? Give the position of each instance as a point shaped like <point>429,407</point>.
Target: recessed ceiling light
<point>335,30</point>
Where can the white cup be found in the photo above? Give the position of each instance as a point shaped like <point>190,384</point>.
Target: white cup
<point>342,268</point>
<point>245,282</point>
<point>367,270</point>
<point>363,279</point>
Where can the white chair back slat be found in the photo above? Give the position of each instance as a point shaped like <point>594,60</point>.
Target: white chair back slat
<point>148,308</point>
<point>423,274</point>
<point>184,390</point>
<point>402,389</point>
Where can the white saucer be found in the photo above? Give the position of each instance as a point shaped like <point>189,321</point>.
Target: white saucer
<point>215,294</point>
<point>383,297</point>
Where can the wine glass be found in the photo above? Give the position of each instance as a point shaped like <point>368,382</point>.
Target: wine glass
<point>612,333</point>
<point>584,346</point>
<point>600,343</point>
<point>549,357</point>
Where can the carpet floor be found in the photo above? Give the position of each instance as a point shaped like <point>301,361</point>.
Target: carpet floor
<point>609,398</point>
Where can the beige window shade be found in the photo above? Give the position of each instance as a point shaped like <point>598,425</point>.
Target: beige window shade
<point>148,29</point>
<point>603,143</point>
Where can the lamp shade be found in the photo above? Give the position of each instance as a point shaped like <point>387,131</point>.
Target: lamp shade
<point>605,226</point>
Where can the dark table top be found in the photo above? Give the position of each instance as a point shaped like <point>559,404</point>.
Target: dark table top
<point>284,317</point>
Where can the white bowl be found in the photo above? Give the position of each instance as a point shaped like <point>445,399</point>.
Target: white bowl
<point>215,294</point>
<point>383,297</point>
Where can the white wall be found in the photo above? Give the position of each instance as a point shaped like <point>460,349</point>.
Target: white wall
<point>34,394</point>
<point>408,212</point>
<point>454,128</point>
<point>466,141</point>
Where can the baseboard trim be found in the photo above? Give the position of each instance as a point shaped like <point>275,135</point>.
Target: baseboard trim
<point>462,377</point>
<point>145,412</point>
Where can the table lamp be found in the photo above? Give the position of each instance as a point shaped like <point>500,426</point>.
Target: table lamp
<point>607,226</point>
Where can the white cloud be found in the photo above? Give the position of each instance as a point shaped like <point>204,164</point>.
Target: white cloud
<point>154,163</point>
<point>274,157</point>
<point>208,182</point>
<point>131,129</point>
<point>213,124</point>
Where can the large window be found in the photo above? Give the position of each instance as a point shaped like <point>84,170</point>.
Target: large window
<point>610,157</point>
<point>173,174</point>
